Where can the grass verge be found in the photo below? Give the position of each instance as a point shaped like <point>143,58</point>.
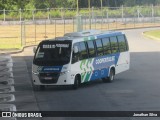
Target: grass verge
<point>154,34</point>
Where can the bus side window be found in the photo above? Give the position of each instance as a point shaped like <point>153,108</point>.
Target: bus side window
<point>99,47</point>
<point>91,49</point>
<point>75,56</point>
<point>106,46</point>
<point>122,43</point>
<point>114,45</point>
<point>83,51</point>
<point>127,46</point>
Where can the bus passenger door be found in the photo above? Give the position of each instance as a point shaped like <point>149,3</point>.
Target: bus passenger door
<point>123,62</point>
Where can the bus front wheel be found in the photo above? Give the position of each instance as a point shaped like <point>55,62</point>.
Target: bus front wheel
<point>76,83</point>
<point>39,87</point>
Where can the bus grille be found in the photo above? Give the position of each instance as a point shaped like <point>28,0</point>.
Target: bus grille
<point>48,77</point>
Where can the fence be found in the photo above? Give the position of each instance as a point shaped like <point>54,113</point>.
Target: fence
<point>35,31</point>
<point>27,14</point>
<point>50,13</point>
<point>30,27</point>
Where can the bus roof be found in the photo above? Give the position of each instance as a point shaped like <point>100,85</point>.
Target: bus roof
<point>83,33</point>
<point>87,35</point>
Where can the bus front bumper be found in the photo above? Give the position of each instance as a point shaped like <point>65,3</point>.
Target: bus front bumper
<point>63,78</point>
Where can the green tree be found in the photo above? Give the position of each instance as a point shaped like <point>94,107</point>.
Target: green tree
<point>43,4</point>
<point>30,4</point>
<point>8,4</point>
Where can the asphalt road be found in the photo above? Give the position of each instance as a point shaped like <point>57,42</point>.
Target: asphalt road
<point>134,90</point>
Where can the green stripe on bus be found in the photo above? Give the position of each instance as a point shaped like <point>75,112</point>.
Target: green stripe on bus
<point>87,77</point>
<point>82,76</point>
<point>89,61</point>
<point>85,39</point>
<point>89,38</point>
<point>92,38</point>
<point>82,63</point>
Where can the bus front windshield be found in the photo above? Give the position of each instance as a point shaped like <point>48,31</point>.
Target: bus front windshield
<point>53,53</point>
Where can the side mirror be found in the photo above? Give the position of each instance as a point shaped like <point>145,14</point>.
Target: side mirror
<point>75,49</point>
<point>34,49</point>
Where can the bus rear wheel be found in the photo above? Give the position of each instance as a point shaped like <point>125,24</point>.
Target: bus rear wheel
<point>110,78</point>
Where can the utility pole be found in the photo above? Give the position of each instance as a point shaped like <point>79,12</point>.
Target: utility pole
<point>78,19</point>
<point>77,7</point>
<point>89,7</point>
<point>101,13</point>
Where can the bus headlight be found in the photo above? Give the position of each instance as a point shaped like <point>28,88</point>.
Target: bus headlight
<point>65,72</point>
<point>35,73</point>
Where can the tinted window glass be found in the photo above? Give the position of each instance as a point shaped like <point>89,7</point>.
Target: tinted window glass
<point>127,47</point>
<point>53,53</point>
<point>122,43</point>
<point>114,44</point>
<point>75,56</point>
<point>99,47</point>
<point>91,49</point>
<point>106,46</point>
<point>83,51</point>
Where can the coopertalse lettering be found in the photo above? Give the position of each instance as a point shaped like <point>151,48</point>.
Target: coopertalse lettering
<point>104,60</point>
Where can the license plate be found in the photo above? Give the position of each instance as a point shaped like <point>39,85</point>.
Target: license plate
<point>48,78</point>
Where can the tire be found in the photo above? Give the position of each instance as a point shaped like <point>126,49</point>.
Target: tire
<point>76,83</point>
<point>42,87</point>
<point>110,78</point>
<point>39,87</point>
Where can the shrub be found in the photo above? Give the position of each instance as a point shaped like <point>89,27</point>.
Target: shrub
<point>41,14</point>
<point>69,14</point>
<point>55,13</point>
